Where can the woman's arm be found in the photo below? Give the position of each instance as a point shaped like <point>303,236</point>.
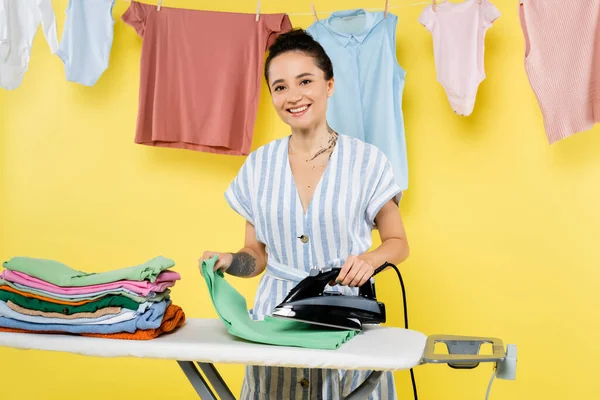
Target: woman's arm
<point>393,249</point>
<point>251,260</point>
<point>394,245</point>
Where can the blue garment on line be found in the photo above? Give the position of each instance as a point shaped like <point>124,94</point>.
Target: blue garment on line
<point>369,82</point>
<point>87,40</point>
<point>151,319</point>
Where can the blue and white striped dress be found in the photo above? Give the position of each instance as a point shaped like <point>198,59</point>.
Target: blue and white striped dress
<point>357,181</point>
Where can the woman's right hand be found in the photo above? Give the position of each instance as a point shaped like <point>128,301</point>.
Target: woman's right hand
<point>223,262</point>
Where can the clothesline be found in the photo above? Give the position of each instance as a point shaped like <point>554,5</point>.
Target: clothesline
<point>391,7</point>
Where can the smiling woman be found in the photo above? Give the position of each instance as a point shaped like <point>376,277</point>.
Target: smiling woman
<point>310,199</point>
<point>300,79</point>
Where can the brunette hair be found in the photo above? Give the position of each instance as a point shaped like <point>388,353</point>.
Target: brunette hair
<point>301,41</point>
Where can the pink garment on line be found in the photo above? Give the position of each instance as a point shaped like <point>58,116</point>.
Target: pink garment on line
<point>458,31</point>
<point>143,288</point>
<point>200,76</point>
<point>562,61</point>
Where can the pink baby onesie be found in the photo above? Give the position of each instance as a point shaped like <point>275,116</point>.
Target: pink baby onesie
<point>458,32</point>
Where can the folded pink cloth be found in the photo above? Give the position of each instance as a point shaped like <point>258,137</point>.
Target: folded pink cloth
<point>163,281</point>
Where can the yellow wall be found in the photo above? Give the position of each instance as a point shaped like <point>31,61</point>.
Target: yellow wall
<point>503,227</point>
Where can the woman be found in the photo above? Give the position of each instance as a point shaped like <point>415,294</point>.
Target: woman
<point>310,199</point>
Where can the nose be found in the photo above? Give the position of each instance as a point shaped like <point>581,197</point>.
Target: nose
<point>294,95</point>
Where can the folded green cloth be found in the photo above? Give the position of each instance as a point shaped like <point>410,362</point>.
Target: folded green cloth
<point>60,274</point>
<point>116,292</point>
<point>32,303</point>
<point>232,309</point>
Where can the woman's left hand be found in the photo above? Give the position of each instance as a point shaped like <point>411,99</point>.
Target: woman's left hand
<point>355,272</point>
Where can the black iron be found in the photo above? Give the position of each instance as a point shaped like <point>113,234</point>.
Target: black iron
<point>309,302</point>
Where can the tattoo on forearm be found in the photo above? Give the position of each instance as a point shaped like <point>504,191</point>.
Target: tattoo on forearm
<point>243,264</point>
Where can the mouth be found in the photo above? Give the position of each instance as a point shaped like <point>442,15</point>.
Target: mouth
<point>299,111</point>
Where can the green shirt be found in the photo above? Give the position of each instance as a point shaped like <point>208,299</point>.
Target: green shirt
<point>60,274</point>
<point>232,309</point>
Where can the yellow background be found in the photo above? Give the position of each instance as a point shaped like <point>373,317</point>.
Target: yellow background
<point>503,228</point>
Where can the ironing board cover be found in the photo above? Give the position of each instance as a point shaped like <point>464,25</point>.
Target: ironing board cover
<point>232,309</point>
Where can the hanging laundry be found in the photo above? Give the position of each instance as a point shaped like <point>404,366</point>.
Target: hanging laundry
<point>458,31</point>
<point>200,76</point>
<point>87,40</point>
<point>562,61</point>
<point>369,82</point>
<point>19,21</point>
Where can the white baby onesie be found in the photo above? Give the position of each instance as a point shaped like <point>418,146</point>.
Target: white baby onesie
<point>458,31</point>
<point>19,21</point>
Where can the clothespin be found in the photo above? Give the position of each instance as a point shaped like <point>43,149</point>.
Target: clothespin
<point>387,3</point>
<point>314,12</point>
<point>159,5</point>
<point>257,10</point>
<point>434,5</point>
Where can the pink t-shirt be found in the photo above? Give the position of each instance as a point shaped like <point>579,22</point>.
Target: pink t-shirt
<point>200,76</point>
<point>164,280</point>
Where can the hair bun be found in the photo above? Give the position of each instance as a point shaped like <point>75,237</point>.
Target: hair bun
<point>299,40</point>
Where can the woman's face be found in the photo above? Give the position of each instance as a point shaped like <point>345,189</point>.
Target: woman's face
<point>299,90</point>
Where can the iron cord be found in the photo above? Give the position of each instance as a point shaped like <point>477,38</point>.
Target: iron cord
<point>380,269</point>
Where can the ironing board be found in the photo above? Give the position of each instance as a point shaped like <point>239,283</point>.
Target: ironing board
<point>206,341</point>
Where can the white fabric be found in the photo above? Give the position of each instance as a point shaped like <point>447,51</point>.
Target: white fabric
<point>4,47</point>
<point>19,21</point>
<point>206,340</point>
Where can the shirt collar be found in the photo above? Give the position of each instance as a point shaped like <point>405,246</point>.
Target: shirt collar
<point>371,19</point>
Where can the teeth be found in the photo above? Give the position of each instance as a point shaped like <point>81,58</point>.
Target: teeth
<point>297,110</point>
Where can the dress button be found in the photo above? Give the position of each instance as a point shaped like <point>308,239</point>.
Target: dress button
<point>65,310</point>
<point>304,383</point>
<point>303,238</point>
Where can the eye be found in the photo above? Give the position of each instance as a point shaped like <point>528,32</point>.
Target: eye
<point>278,88</point>
<point>305,82</point>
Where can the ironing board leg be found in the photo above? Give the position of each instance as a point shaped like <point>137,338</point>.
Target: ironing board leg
<point>197,380</point>
<point>200,384</point>
<point>216,381</point>
<point>366,388</point>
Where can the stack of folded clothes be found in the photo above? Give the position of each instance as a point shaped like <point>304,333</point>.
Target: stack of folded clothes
<point>46,296</point>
